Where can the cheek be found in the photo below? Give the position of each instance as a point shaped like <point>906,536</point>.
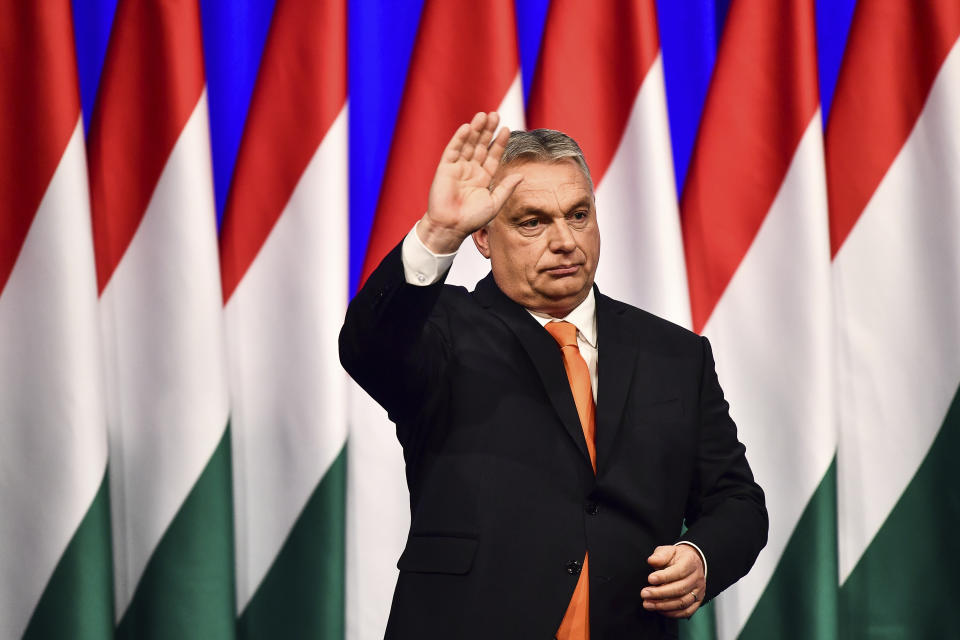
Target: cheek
<point>513,261</point>
<point>521,257</point>
<point>591,246</point>
<point>538,258</point>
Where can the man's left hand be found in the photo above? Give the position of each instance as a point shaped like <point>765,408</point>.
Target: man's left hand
<point>677,586</point>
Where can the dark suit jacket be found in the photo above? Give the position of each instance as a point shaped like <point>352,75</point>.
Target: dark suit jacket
<point>504,502</point>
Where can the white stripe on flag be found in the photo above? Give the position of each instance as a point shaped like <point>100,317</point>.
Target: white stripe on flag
<point>162,323</point>
<point>642,251</point>
<point>288,390</point>
<point>771,334</point>
<point>53,444</point>
<point>899,300</point>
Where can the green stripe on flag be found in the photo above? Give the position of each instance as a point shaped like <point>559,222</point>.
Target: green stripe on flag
<point>302,595</point>
<point>78,600</point>
<point>905,584</point>
<point>187,588</point>
<point>800,601</point>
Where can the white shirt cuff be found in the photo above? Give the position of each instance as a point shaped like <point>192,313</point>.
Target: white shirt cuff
<point>422,267</point>
<point>703,558</point>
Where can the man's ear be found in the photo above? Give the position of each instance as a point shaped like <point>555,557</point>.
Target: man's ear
<point>481,238</point>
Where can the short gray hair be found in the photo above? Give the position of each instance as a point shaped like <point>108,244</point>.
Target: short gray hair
<point>544,145</point>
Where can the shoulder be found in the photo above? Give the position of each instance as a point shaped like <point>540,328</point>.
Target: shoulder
<point>635,325</point>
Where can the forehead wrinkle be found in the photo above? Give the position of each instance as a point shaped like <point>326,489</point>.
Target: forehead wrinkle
<point>556,194</point>
<point>542,193</point>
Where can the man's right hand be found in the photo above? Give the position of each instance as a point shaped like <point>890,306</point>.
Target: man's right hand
<point>461,200</point>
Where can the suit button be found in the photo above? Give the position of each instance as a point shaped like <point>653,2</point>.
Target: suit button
<point>591,508</point>
<point>573,567</point>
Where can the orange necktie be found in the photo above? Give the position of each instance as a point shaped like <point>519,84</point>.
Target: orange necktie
<point>576,621</point>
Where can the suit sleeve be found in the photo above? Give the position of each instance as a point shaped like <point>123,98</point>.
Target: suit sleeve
<point>725,515</point>
<point>390,342</point>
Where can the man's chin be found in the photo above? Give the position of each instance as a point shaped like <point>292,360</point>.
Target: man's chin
<point>559,288</point>
<point>564,299</point>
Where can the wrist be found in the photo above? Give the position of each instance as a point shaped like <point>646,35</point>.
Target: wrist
<point>437,238</point>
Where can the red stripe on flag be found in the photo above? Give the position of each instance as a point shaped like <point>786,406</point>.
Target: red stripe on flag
<point>464,60</point>
<point>301,88</point>
<point>593,60</point>
<point>39,109</point>
<point>893,54</point>
<point>761,99</point>
<point>152,79</point>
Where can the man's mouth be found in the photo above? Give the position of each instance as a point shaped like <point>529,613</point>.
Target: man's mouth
<point>564,269</point>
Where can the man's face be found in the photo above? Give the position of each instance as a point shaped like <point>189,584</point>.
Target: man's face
<point>544,244</point>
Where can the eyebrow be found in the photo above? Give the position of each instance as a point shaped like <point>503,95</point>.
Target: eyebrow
<point>527,211</point>
<point>583,203</point>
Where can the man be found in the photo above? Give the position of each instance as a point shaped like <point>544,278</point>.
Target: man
<point>551,464</point>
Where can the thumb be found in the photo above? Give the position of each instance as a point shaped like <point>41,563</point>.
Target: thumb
<point>504,190</point>
<point>662,556</point>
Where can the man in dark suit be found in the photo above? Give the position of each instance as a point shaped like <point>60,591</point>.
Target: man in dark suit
<point>536,513</point>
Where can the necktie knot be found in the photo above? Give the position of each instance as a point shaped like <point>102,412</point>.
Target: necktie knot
<point>563,332</point>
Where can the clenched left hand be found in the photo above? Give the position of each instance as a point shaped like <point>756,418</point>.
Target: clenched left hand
<point>678,584</point>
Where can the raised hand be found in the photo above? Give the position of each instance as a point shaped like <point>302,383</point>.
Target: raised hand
<point>461,200</point>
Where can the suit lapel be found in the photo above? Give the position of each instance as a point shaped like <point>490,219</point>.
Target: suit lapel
<point>616,362</point>
<point>543,352</point>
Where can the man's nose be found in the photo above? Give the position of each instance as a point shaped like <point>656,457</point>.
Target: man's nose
<point>561,239</point>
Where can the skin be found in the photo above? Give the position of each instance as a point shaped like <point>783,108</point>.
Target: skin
<point>536,222</point>
<point>678,584</point>
<point>460,200</point>
<point>544,244</point>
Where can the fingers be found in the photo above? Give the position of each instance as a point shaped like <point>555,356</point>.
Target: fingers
<point>673,591</point>
<point>675,562</point>
<point>686,598</point>
<point>686,612</point>
<point>662,556</point>
<point>486,135</point>
<point>477,126</point>
<point>455,146</point>
<point>677,588</point>
<point>496,150</point>
<point>502,192</point>
<point>471,140</point>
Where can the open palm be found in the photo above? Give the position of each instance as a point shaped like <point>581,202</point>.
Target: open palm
<point>461,200</point>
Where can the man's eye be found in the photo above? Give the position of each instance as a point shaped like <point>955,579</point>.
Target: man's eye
<point>578,216</point>
<point>530,224</point>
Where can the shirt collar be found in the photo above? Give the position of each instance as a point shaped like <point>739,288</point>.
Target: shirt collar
<point>583,317</point>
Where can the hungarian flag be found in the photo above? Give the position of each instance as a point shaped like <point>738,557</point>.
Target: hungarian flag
<point>447,84</point>
<point>893,159</point>
<point>55,571</point>
<point>155,240</point>
<point>755,231</point>
<point>607,55</point>
<point>284,264</point>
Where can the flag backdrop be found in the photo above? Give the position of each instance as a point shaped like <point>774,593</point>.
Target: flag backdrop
<point>180,453</point>
<point>754,213</point>
<point>155,241</point>
<point>55,523</point>
<point>284,266</point>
